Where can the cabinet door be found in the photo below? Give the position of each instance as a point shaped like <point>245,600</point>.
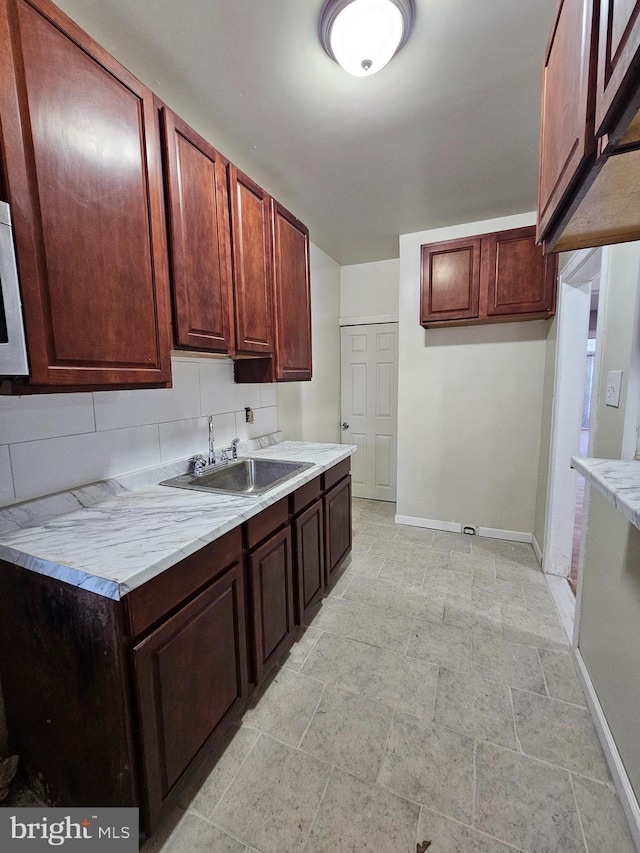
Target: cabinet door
<point>84,178</point>
<point>618,84</point>
<point>567,141</point>
<point>252,264</point>
<point>520,279</point>
<point>308,548</point>
<point>271,576</point>
<point>292,296</point>
<point>200,244</point>
<point>450,280</point>
<point>337,526</point>
<point>191,674</point>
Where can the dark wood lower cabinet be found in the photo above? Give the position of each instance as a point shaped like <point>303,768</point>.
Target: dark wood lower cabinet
<point>123,703</point>
<point>190,675</point>
<point>308,539</point>
<point>272,620</point>
<point>337,513</point>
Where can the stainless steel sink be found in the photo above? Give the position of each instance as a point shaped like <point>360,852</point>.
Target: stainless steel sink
<point>241,477</point>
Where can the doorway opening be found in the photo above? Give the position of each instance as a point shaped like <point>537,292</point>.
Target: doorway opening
<point>577,369</point>
<point>584,441</point>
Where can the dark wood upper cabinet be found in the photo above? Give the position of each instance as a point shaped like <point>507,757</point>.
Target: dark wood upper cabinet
<point>589,171</point>
<point>83,174</point>
<point>520,281</point>
<point>490,278</point>
<point>292,296</point>
<point>199,239</point>
<point>252,269</point>
<point>450,280</point>
<point>567,140</point>
<point>618,91</point>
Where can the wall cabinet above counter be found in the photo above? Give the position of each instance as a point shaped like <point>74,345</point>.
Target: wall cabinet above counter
<point>82,169</point>
<point>122,212</point>
<point>589,171</point>
<point>488,278</point>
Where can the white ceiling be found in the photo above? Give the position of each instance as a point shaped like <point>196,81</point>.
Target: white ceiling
<point>446,133</point>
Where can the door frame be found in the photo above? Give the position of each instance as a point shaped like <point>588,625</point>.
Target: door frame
<point>575,286</point>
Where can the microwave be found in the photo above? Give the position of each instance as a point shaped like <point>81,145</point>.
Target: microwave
<point>13,348</point>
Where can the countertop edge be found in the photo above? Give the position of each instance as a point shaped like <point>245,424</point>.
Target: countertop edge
<point>618,480</point>
<point>117,589</point>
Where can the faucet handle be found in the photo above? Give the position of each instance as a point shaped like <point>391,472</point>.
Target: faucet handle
<point>198,464</point>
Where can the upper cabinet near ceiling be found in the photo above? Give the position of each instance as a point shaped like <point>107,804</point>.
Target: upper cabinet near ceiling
<point>618,82</point>
<point>199,239</point>
<point>252,269</point>
<point>83,176</point>
<point>292,296</point>
<point>589,175</point>
<point>490,278</point>
<point>291,361</point>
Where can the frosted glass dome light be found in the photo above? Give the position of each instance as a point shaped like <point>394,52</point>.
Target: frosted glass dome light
<point>363,35</point>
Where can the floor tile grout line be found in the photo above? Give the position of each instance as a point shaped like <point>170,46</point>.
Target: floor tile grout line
<point>575,800</point>
<point>546,763</point>
<point>515,724</point>
<point>317,812</point>
<point>386,746</point>
<point>312,717</point>
<point>553,699</point>
<point>314,644</point>
<point>240,766</point>
<point>469,826</point>
<point>228,832</point>
<point>544,677</point>
<point>475,782</point>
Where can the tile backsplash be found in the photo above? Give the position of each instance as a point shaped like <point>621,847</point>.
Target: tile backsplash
<point>53,442</point>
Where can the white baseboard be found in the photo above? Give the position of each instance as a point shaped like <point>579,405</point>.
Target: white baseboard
<point>626,794</point>
<point>456,527</point>
<point>433,524</point>
<point>565,602</point>
<point>510,535</point>
<point>537,550</point>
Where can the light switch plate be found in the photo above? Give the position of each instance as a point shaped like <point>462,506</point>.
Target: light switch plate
<point>614,383</point>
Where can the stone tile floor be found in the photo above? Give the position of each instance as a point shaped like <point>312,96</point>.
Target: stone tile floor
<point>432,698</point>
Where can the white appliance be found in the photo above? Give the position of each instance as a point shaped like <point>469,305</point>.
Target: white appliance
<point>13,348</point>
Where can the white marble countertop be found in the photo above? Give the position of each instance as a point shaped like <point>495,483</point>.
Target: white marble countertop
<point>117,544</point>
<point>617,479</point>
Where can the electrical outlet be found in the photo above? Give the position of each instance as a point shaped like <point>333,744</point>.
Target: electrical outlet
<point>471,529</point>
<point>248,415</point>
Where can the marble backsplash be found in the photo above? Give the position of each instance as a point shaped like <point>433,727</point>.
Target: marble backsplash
<point>39,510</point>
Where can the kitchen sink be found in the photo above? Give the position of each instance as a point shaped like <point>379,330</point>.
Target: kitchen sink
<point>247,477</point>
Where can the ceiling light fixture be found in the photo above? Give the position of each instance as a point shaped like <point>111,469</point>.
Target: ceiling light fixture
<point>363,35</point>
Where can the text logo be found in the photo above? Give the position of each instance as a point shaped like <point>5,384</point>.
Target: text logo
<point>100,829</point>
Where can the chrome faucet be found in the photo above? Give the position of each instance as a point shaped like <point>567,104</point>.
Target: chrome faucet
<point>212,453</point>
<point>232,449</point>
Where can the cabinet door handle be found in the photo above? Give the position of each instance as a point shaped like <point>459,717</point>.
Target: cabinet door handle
<point>345,425</point>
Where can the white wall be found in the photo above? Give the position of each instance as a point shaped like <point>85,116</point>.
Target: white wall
<point>369,292</point>
<point>539,529</point>
<point>609,621</point>
<point>53,442</point>
<point>310,411</point>
<point>470,406</point>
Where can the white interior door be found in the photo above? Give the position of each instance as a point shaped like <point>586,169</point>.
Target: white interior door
<point>369,382</point>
